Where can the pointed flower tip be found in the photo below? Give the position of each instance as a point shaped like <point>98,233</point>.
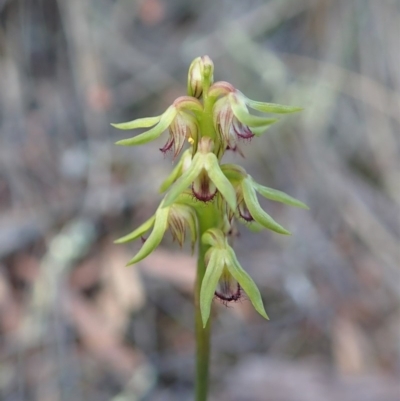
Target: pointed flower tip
<point>122,126</point>
<point>265,316</point>
<point>122,142</point>
<point>125,239</point>
<point>301,205</point>
<point>205,321</point>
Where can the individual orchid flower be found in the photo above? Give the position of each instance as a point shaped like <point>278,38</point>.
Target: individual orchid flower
<point>224,273</point>
<point>180,120</point>
<point>231,117</point>
<point>205,177</point>
<point>177,217</point>
<point>248,207</point>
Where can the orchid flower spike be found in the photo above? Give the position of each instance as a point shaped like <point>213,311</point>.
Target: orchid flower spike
<point>204,197</point>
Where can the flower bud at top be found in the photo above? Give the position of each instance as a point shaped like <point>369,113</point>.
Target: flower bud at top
<point>201,70</point>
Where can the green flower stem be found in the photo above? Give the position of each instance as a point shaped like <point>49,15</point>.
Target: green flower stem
<point>206,120</point>
<point>208,218</point>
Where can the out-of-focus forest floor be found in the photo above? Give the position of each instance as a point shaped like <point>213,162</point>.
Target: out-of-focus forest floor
<point>75,324</point>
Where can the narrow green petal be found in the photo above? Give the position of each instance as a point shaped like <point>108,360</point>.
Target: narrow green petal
<point>272,107</point>
<point>246,282</point>
<point>138,123</point>
<point>258,131</point>
<point>241,113</point>
<point>154,239</point>
<point>251,121</point>
<point>253,226</point>
<point>187,198</point>
<point>136,233</point>
<point>233,172</point>
<point>176,172</point>
<point>185,180</point>
<point>221,182</point>
<point>214,237</point>
<point>278,196</point>
<point>189,103</point>
<point>153,133</point>
<point>256,211</point>
<point>209,284</point>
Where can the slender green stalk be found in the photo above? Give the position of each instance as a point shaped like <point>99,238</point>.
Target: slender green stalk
<point>206,220</point>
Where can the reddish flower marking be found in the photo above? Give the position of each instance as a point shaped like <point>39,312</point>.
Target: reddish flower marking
<point>203,188</point>
<point>225,298</point>
<point>244,212</point>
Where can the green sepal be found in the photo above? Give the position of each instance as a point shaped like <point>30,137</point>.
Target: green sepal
<point>154,239</point>
<point>185,179</point>
<point>175,173</point>
<point>187,198</point>
<point>138,123</point>
<point>153,133</point>
<point>233,172</point>
<point>213,272</point>
<point>257,212</point>
<point>246,282</point>
<point>221,182</point>
<point>241,113</point>
<point>278,196</point>
<point>258,131</point>
<point>136,233</point>
<point>214,237</point>
<point>251,225</point>
<point>272,107</point>
<point>189,103</point>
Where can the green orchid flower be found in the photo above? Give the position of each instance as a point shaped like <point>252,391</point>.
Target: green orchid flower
<point>248,207</point>
<point>224,276</point>
<point>177,217</point>
<point>232,120</point>
<point>205,177</point>
<point>179,118</point>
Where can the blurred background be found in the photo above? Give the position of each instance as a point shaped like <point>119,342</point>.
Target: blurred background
<point>75,324</point>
